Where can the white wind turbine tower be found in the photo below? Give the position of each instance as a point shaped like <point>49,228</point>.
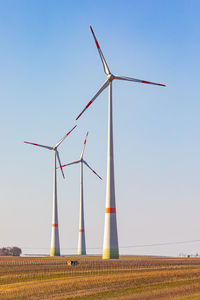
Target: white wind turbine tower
<point>81,236</point>
<point>55,243</point>
<point>110,246</point>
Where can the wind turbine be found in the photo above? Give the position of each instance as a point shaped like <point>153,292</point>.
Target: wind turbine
<point>81,236</point>
<point>55,244</point>
<point>110,246</point>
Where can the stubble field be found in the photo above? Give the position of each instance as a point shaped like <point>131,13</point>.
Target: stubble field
<point>93,278</point>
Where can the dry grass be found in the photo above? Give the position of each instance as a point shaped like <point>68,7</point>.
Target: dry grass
<point>93,278</point>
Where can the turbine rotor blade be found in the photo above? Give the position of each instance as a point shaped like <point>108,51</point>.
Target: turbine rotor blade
<point>136,80</point>
<point>58,157</point>
<point>105,66</point>
<point>106,83</point>
<point>91,169</point>
<point>34,144</point>
<point>83,150</point>
<point>64,137</point>
<point>72,163</point>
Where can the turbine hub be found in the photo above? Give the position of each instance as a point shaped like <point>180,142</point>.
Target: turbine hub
<point>110,77</point>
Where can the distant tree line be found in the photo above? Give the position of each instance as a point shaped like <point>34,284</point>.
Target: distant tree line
<point>10,251</point>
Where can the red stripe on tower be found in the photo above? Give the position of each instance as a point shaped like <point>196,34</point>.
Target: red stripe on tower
<point>81,230</point>
<point>110,210</point>
<point>54,225</point>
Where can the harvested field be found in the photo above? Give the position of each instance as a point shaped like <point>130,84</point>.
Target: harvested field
<point>93,278</point>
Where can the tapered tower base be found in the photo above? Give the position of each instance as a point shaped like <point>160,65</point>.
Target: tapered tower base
<point>55,252</point>
<point>110,244</point>
<point>110,254</point>
<point>81,242</point>
<point>81,252</point>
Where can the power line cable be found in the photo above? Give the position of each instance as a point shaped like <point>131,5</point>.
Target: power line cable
<point>130,246</point>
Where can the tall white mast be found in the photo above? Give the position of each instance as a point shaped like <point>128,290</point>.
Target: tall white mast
<point>110,246</point>
<point>55,243</point>
<point>81,234</point>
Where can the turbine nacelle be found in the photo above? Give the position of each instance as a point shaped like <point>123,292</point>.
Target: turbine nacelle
<point>110,77</point>
<point>81,160</point>
<point>54,148</point>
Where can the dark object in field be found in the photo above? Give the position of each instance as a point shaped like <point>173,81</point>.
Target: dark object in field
<point>72,262</point>
<point>10,251</point>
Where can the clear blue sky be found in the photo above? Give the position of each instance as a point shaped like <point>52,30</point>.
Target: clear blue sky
<point>49,70</point>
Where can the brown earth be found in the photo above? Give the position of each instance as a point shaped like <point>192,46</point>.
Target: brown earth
<point>93,278</point>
